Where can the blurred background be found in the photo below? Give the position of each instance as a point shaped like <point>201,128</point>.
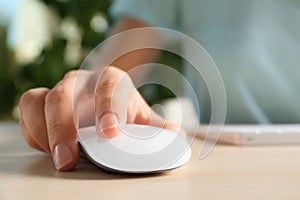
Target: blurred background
<point>40,40</point>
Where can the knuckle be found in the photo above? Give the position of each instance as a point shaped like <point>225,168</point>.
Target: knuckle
<point>109,83</point>
<point>32,96</point>
<point>26,98</point>
<point>56,93</point>
<point>105,104</point>
<point>54,128</point>
<point>71,74</point>
<point>106,86</point>
<point>114,70</point>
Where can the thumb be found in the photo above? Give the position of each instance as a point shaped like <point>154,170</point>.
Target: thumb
<point>112,96</point>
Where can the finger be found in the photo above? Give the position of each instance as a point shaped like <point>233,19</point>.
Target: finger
<point>150,117</point>
<point>32,109</point>
<point>147,116</point>
<point>112,97</point>
<point>156,120</point>
<point>62,132</point>
<point>30,141</point>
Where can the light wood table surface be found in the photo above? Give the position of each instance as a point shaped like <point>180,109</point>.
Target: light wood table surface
<point>229,172</point>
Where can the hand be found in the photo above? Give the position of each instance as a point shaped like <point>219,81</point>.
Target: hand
<point>50,118</point>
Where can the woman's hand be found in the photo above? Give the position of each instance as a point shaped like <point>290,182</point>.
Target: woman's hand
<point>50,118</point>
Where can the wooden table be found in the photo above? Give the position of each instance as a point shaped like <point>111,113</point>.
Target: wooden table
<point>229,172</point>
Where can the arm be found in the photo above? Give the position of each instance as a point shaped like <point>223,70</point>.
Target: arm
<point>130,60</point>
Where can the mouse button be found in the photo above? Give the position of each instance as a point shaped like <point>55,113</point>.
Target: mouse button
<point>87,135</point>
<point>169,157</point>
<point>141,131</point>
<point>143,145</point>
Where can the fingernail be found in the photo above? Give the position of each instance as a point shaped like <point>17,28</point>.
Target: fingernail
<point>109,120</point>
<point>62,156</point>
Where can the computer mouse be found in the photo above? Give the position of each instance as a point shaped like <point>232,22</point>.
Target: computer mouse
<point>138,149</point>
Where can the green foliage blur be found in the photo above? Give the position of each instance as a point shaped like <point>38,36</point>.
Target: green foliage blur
<point>8,89</point>
<point>50,66</point>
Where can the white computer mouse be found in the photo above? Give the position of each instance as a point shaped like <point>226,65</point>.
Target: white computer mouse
<point>138,149</point>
